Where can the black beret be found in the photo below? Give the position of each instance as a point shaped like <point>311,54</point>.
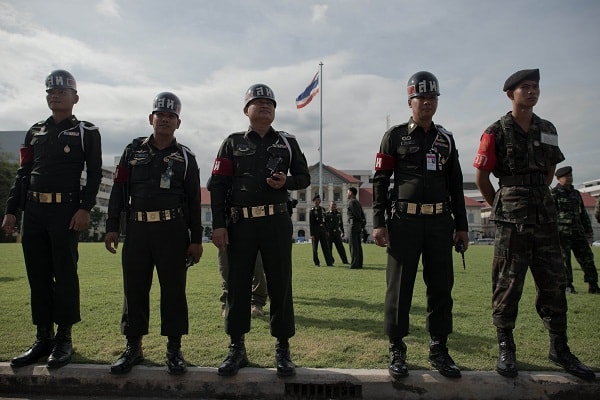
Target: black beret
<point>520,76</point>
<point>317,197</point>
<point>563,171</point>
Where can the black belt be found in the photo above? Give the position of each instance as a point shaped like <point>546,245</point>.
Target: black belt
<point>156,216</point>
<point>404,207</point>
<point>41,197</point>
<point>523,180</point>
<point>259,211</point>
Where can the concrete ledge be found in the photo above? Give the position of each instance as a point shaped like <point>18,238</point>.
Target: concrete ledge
<point>309,383</point>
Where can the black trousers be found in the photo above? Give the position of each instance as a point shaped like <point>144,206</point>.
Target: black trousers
<point>164,245</point>
<point>50,252</point>
<point>272,236</point>
<point>355,242</point>
<point>335,237</point>
<point>323,238</point>
<point>412,237</point>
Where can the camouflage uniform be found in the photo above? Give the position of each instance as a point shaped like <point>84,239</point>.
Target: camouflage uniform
<point>574,228</point>
<point>525,215</point>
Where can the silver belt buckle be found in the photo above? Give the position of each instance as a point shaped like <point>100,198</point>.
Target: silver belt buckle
<point>258,211</point>
<point>427,209</point>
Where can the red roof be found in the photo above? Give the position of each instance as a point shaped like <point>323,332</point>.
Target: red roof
<point>470,202</point>
<point>365,197</point>
<point>589,201</point>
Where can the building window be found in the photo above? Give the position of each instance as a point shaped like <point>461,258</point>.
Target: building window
<point>301,214</point>
<point>208,216</point>
<point>302,196</point>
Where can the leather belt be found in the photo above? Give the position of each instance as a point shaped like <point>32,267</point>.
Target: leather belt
<point>404,207</point>
<point>157,216</point>
<point>522,180</point>
<point>259,211</point>
<point>41,197</point>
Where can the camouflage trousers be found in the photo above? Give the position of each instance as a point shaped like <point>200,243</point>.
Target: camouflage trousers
<point>578,244</point>
<point>518,247</point>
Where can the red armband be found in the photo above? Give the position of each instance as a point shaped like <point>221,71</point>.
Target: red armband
<point>223,166</point>
<point>121,174</point>
<point>384,162</point>
<point>486,155</point>
<point>25,154</point>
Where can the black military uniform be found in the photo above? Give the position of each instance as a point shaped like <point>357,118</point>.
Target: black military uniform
<point>356,222</point>
<point>259,221</point>
<point>319,234</point>
<point>158,190</point>
<point>48,189</point>
<point>335,229</point>
<point>427,206</point>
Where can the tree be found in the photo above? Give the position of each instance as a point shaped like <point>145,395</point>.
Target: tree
<point>208,231</point>
<point>96,216</point>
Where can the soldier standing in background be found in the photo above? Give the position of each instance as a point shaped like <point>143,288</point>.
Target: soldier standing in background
<point>335,229</point>
<point>597,210</point>
<point>157,186</point>
<point>575,230</point>
<point>357,222</point>
<point>521,149</point>
<point>318,233</point>
<point>47,188</point>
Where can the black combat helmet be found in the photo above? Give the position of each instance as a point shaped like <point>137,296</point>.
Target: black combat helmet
<point>166,102</point>
<point>259,91</point>
<point>422,83</point>
<point>60,79</point>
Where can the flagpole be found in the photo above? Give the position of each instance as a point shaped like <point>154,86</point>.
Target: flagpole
<point>321,131</point>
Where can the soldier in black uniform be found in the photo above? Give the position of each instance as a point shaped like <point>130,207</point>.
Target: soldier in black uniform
<point>335,228</point>
<point>521,150</point>
<point>157,187</point>
<point>47,188</point>
<point>356,222</point>
<point>575,230</point>
<point>427,216</point>
<point>253,167</point>
<point>318,232</point>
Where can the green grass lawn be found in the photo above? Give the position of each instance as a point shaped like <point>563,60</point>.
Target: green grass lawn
<point>339,315</point>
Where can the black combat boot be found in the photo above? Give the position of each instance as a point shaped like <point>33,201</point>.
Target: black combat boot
<point>440,359</point>
<point>507,358</point>
<point>63,348</point>
<point>593,288</point>
<point>236,358</point>
<point>131,356</point>
<point>175,363</point>
<point>397,368</point>
<point>42,347</point>
<point>561,355</point>
<point>283,360</point>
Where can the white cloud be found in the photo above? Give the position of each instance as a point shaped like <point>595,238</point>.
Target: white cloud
<point>318,13</point>
<point>108,8</point>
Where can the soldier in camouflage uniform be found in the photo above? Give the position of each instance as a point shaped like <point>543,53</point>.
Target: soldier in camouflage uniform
<point>521,149</point>
<point>575,230</point>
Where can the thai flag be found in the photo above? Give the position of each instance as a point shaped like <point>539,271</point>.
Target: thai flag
<point>307,95</point>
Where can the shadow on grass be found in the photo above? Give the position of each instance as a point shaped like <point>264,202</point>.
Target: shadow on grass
<point>10,278</point>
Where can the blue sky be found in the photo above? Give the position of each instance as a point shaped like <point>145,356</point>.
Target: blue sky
<point>123,53</point>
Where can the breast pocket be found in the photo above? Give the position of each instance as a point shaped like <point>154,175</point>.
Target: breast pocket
<point>70,146</point>
<point>243,158</point>
<point>409,157</point>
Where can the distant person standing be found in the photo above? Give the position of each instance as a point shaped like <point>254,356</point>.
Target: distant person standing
<point>318,233</point>
<point>56,208</point>
<point>157,186</point>
<point>422,217</point>
<point>575,230</point>
<point>597,210</point>
<point>357,222</point>
<point>251,176</point>
<point>521,150</point>
<point>335,230</point>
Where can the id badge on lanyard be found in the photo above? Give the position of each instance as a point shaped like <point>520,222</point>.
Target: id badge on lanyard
<point>431,161</point>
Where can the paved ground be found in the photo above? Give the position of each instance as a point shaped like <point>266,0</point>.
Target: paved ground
<point>94,381</point>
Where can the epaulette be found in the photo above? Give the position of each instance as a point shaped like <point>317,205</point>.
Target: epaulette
<point>89,125</point>
<point>443,130</point>
<point>187,149</point>
<point>289,135</point>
